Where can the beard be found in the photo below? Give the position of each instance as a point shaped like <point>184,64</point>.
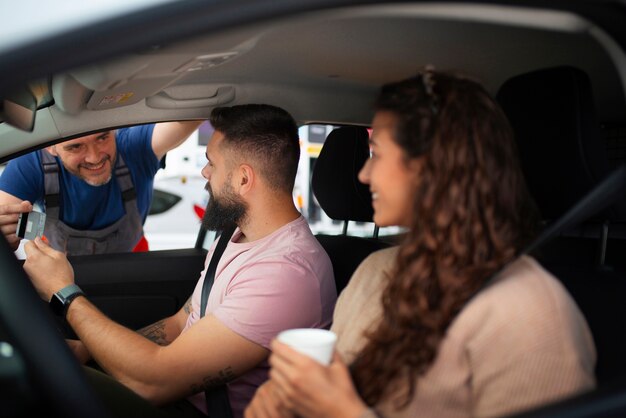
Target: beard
<point>224,210</point>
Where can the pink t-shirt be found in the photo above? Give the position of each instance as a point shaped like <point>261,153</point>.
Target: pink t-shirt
<point>284,280</point>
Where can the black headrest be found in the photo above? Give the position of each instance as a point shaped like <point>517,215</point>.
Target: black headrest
<point>334,181</point>
<point>560,144</point>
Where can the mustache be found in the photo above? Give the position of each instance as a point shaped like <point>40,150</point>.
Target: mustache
<point>91,165</point>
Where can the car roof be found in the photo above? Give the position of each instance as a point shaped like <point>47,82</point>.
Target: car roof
<point>320,60</point>
<point>31,21</point>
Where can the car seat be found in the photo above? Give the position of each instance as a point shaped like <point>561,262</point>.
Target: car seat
<point>559,139</point>
<point>563,156</point>
<point>336,187</point>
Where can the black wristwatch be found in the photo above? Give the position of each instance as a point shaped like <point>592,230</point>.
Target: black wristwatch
<point>61,300</point>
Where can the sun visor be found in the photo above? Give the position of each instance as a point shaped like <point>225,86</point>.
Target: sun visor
<point>127,93</point>
<point>143,76</point>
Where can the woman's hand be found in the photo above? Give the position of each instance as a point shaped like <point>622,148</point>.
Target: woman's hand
<point>266,403</point>
<point>80,351</point>
<point>310,389</point>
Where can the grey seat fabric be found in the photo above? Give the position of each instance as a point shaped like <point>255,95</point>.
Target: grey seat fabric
<point>340,194</point>
<point>563,156</point>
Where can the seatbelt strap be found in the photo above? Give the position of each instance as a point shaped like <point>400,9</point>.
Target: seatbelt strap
<point>209,277</point>
<point>600,197</point>
<point>605,193</point>
<point>217,402</point>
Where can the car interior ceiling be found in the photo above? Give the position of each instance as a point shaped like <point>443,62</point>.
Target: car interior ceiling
<point>168,79</point>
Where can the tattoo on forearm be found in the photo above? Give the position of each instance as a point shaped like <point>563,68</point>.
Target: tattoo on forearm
<point>155,332</point>
<point>224,376</point>
<point>187,306</point>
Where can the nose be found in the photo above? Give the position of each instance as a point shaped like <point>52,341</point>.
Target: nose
<point>364,174</point>
<point>205,172</point>
<point>92,155</point>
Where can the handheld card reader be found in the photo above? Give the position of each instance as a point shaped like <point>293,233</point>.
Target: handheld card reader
<point>30,225</point>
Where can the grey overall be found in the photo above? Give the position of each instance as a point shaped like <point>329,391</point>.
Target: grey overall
<point>121,236</point>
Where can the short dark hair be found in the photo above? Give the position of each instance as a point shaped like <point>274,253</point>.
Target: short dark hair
<point>266,134</point>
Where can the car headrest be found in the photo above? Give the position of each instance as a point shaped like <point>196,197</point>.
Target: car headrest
<point>335,175</point>
<point>560,144</point>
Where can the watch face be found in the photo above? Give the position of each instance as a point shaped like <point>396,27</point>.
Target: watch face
<point>62,299</point>
<point>57,305</point>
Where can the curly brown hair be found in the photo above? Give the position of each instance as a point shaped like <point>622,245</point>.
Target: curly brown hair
<point>472,214</point>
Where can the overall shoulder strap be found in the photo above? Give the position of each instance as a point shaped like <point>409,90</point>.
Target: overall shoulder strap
<point>51,170</point>
<point>124,179</point>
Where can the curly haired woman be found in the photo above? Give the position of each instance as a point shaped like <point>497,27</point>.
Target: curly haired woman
<point>423,335</point>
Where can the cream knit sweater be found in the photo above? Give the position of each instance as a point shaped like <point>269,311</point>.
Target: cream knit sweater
<point>520,343</point>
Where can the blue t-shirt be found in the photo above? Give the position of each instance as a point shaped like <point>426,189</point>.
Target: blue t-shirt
<point>83,206</point>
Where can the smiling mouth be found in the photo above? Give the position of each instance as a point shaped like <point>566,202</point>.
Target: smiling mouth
<point>95,167</point>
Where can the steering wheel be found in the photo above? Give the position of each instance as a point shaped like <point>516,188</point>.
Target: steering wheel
<point>56,375</point>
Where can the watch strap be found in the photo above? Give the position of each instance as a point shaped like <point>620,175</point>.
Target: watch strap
<point>62,299</point>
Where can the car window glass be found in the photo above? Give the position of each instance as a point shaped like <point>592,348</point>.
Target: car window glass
<point>179,195</point>
<point>177,200</point>
<point>177,226</point>
<point>163,201</point>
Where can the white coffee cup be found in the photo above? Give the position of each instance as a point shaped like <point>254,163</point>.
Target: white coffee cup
<point>315,343</point>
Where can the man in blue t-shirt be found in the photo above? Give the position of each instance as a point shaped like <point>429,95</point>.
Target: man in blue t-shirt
<point>96,189</point>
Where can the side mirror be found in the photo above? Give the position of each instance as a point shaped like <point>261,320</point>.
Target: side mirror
<point>19,108</point>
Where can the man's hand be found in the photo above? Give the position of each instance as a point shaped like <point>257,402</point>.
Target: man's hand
<point>48,268</point>
<point>8,221</point>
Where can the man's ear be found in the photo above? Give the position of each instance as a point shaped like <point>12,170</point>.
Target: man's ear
<point>52,150</point>
<point>247,178</point>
